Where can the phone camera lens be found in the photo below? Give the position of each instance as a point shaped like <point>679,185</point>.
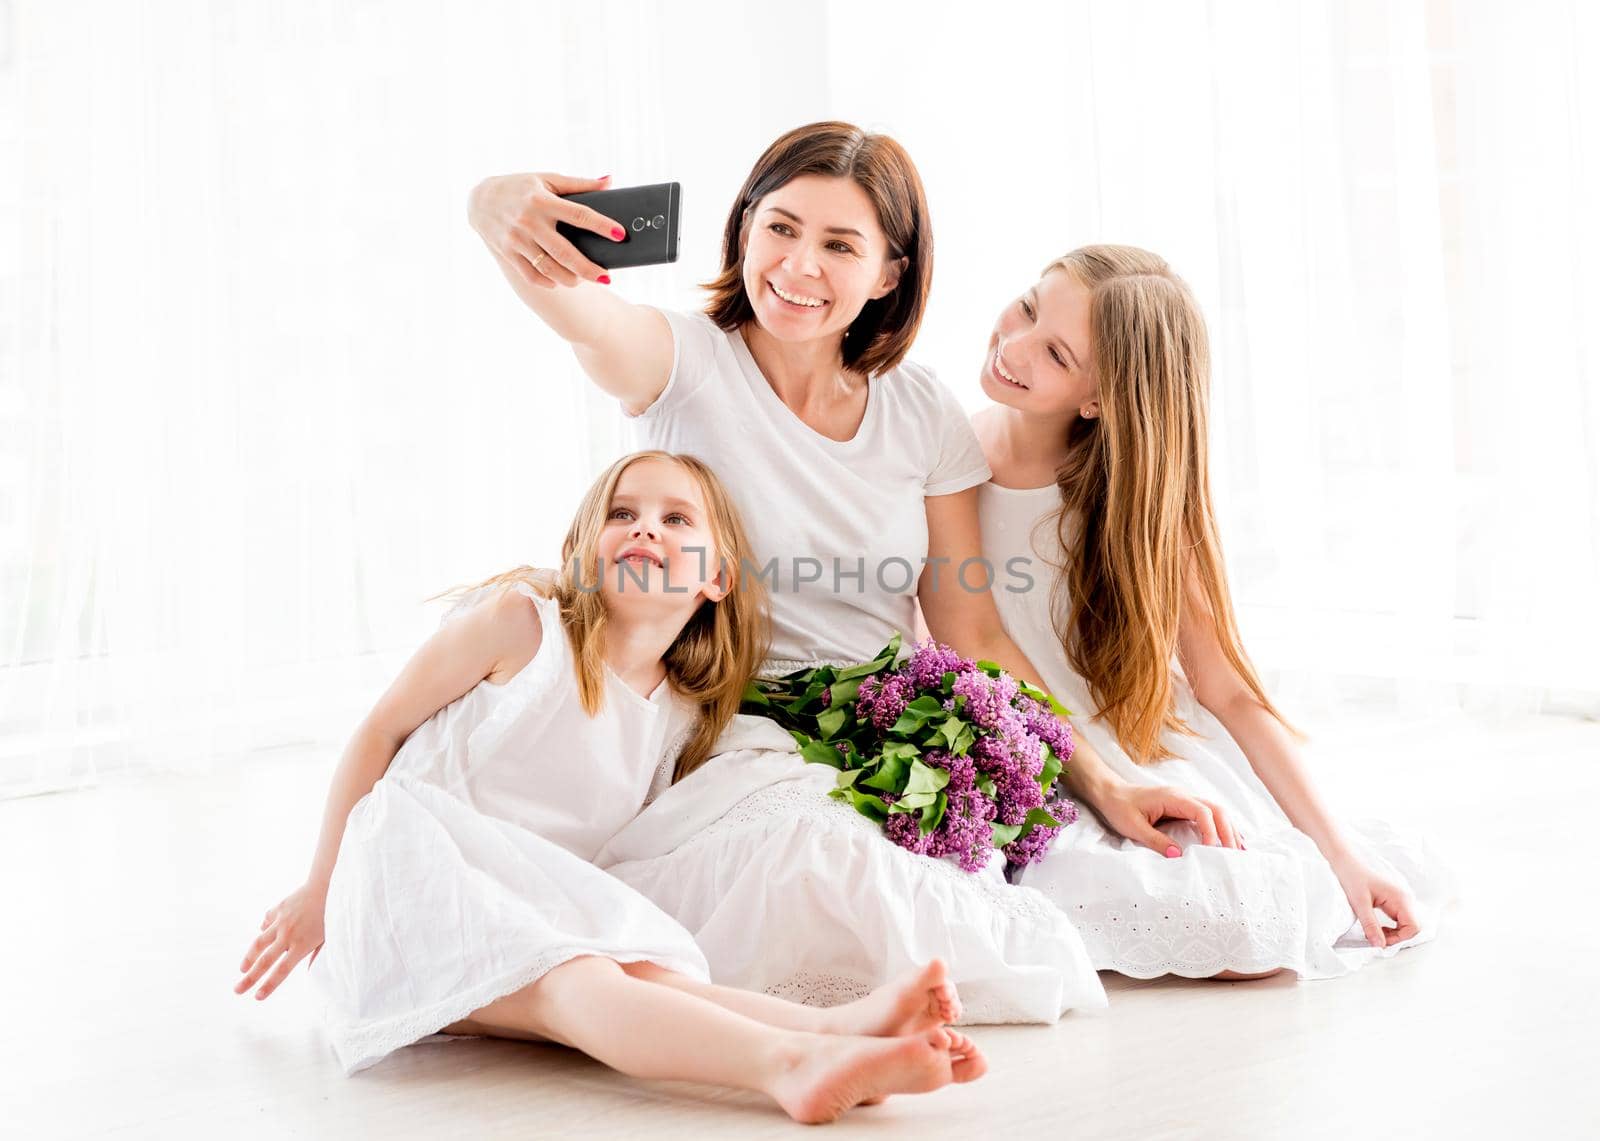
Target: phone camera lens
<point>658,221</point>
<point>638,224</point>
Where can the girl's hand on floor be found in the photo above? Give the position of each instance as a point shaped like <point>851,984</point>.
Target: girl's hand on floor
<point>289,932</point>
<point>1367,892</point>
<point>1133,810</point>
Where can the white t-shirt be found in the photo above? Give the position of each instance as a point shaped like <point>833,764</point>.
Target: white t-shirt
<point>818,511</point>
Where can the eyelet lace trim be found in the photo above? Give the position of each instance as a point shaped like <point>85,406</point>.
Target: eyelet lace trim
<point>1146,938</point>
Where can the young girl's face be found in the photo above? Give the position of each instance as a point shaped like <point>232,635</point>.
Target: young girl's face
<point>1039,351</point>
<point>657,539</point>
<point>814,255</point>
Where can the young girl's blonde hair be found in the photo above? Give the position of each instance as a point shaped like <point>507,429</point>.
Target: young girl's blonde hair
<point>1137,479</point>
<point>721,646</point>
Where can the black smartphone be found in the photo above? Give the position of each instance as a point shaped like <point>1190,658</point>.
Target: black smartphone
<point>649,214</point>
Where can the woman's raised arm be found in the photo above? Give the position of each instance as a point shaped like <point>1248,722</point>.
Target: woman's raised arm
<point>625,348</point>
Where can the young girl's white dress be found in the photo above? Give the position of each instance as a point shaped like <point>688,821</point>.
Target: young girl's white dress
<point>1276,904</point>
<point>465,873</point>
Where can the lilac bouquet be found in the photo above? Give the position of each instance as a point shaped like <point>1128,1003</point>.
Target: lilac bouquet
<point>953,757</point>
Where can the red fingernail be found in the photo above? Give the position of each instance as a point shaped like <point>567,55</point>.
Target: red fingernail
<point>604,279</point>
<point>602,178</point>
<point>1173,852</point>
<point>618,233</point>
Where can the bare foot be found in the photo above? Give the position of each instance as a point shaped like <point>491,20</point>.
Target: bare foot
<point>967,1063</point>
<point>920,1000</point>
<point>828,1074</point>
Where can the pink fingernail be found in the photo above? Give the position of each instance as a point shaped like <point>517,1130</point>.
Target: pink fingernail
<point>604,279</point>
<point>1173,852</point>
<point>618,233</point>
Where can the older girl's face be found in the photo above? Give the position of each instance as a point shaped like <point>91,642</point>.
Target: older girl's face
<point>1039,353</point>
<point>814,255</point>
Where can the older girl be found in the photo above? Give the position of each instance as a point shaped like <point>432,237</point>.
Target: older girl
<point>1097,441</point>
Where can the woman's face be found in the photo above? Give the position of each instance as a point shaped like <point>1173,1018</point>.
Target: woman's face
<point>657,541</point>
<point>1039,353</point>
<point>814,255</point>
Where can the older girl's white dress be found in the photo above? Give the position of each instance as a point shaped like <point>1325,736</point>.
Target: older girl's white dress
<point>1275,905</point>
<point>465,873</point>
<point>786,890</point>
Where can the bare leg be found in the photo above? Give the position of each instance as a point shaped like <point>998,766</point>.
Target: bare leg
<point>919,1000</point>
<point>653,1031</point>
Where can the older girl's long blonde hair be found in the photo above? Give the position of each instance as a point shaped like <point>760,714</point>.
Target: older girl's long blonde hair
<point>1137,481</point>
<point>719,649</point>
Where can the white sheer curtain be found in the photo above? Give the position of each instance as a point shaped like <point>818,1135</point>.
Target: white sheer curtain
<point>261,391</point>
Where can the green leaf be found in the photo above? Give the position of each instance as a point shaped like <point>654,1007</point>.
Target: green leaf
<point>819,754</point>
<point>846,778</point>
<point>1051,770</point>
<point>901,750</point>
<point>843,693</point>
<point>869,806</point>
<point>1043,698</point>
<point>917,800</point>
<point>964,740</point>
<point>950,730</point>
<point>891,777</point>
<point>1039,818</point>
<point>1003,834</point>
<point>986,786</point>
<point>916,715</point>
<point>990,668</point>
<point>947,682</point>
<point>932,816</point>
<point>755,695</point>
<point>830,721</point>
<point>925,779</point>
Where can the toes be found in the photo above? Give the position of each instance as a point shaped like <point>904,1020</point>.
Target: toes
<point>970,1068</point>
<point>967,1062</point>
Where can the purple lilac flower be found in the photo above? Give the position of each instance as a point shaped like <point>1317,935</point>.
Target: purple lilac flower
<point>988,698</point>
<point>1032,847</point>
<point>1049,728</point>
<point>881,699</point>
<point>930,662</point>
<point>905,829</point>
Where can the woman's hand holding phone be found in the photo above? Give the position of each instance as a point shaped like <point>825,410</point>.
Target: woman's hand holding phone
<point>516,216</point>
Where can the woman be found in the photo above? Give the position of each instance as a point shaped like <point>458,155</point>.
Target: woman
<point>1097,441</point>
<point>857,473</point>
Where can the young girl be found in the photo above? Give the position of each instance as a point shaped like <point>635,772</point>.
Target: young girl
<point>456,893</point>
<point>1097,443</point>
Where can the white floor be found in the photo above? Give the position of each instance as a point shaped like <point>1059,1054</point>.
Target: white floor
<point>126,910</point>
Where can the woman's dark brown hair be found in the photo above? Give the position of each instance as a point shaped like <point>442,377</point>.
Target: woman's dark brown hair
<point>878,339</point>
